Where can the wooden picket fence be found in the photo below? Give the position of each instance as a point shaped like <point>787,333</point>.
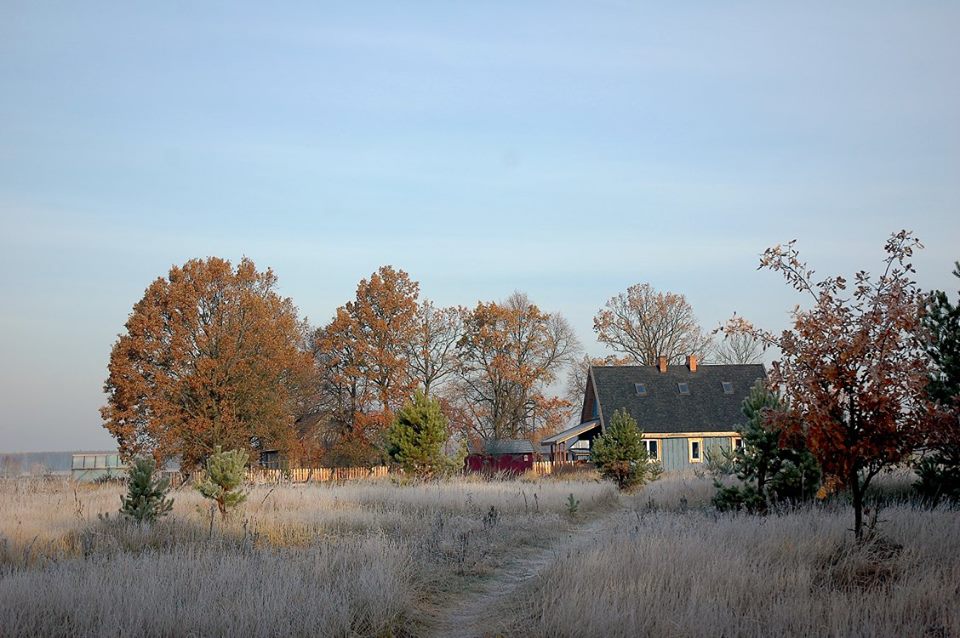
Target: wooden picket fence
<point>543,468</point>
<point>263,476</point>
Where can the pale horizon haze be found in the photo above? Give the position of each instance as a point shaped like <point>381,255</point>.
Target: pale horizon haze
<point>567,150</point>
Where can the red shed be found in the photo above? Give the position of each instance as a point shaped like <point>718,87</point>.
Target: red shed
<point>501,455</point>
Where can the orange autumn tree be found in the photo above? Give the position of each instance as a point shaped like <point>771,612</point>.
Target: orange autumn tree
<point>852,369</point>
<point>509,354</point>
<point>385,316</point>
<point>211,356</point>
<point>362,359</point>
<point>340,434</point>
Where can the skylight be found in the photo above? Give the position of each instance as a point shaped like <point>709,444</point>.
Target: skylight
<point>641,389</point>
<point>727,387</point>
<point>684,388</point>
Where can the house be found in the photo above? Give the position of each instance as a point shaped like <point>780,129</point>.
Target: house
<point>684,411</point>
<point>515,456</point>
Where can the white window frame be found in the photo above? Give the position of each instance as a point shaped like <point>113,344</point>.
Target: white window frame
<point>699,443</point>
<point>646,446</point>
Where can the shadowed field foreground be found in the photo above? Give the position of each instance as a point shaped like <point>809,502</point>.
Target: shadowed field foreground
<point>469,558</point>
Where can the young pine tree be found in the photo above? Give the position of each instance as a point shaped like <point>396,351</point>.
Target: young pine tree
<point>939,470</point>
<point>146,495</point>
<point>770,471</point>
<point>225,474</point>
<point>620,456</point>
<point>417,436</point>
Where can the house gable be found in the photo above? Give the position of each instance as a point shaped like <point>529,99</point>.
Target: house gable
<point>591,409</point>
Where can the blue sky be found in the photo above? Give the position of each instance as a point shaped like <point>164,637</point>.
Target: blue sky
<point>564,149</point>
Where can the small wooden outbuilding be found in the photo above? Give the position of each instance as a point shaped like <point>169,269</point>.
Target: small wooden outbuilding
<point>514,456</point>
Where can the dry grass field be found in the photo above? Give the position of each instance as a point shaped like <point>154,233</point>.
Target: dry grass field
<point>469,558</point>
<point>367,559</point>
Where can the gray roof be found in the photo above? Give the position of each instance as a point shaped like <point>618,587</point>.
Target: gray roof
<point>503,446</point>
<point>663,409</point>
<point>576,430</point>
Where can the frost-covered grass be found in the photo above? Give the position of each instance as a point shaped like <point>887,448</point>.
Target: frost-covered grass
<point>689,571</point>
<point>381,559</point>
<point>341,560</point>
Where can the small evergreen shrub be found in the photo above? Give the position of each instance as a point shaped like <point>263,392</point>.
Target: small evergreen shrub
<point>620,456</point>
<point>939,480</point>
<point>226,472</point>
<point>146,495</point>
<point>417,437</point>
<point>736,498</point>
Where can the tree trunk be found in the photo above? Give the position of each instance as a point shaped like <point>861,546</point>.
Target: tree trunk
<point>857,504</point>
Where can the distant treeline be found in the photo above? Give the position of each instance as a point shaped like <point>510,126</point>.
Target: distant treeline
<point>16,463</point>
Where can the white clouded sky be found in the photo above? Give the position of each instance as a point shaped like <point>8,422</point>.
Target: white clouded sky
<point>557,148</point>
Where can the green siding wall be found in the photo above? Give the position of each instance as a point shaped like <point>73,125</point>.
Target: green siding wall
<point>675,454</point>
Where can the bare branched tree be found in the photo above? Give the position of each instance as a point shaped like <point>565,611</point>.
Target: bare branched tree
<point>738,348</point>
<point>577,377</point>
<point>645,324</point>
<point>433,350</point>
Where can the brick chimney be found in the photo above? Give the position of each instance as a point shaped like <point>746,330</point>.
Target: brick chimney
<point>692,362</point>
<point>662,363</point>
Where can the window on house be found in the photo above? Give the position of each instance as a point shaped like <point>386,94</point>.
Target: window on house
<point>737,443</point>
<point>695,450</point>
<point>652,446</point>
<point>641,389</point>
<point>727,387</point>
<point>684,388</point>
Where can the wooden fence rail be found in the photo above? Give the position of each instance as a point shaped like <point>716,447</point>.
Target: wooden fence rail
<point>263,476</point>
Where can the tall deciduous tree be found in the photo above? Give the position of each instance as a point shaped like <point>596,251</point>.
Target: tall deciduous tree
<point>385,317</point>
<point>212,355</point>
<point>340,431</point>
<point>364,367</point>
<point>738,348</point>
<point>646,324</point>
<point>852,368</point>
<point>432,352</point>
<point>509,354</point>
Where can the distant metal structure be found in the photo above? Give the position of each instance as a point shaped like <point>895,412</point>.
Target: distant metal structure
<point>91,466</point>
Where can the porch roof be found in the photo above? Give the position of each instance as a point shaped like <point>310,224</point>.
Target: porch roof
<point>576,430</point>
